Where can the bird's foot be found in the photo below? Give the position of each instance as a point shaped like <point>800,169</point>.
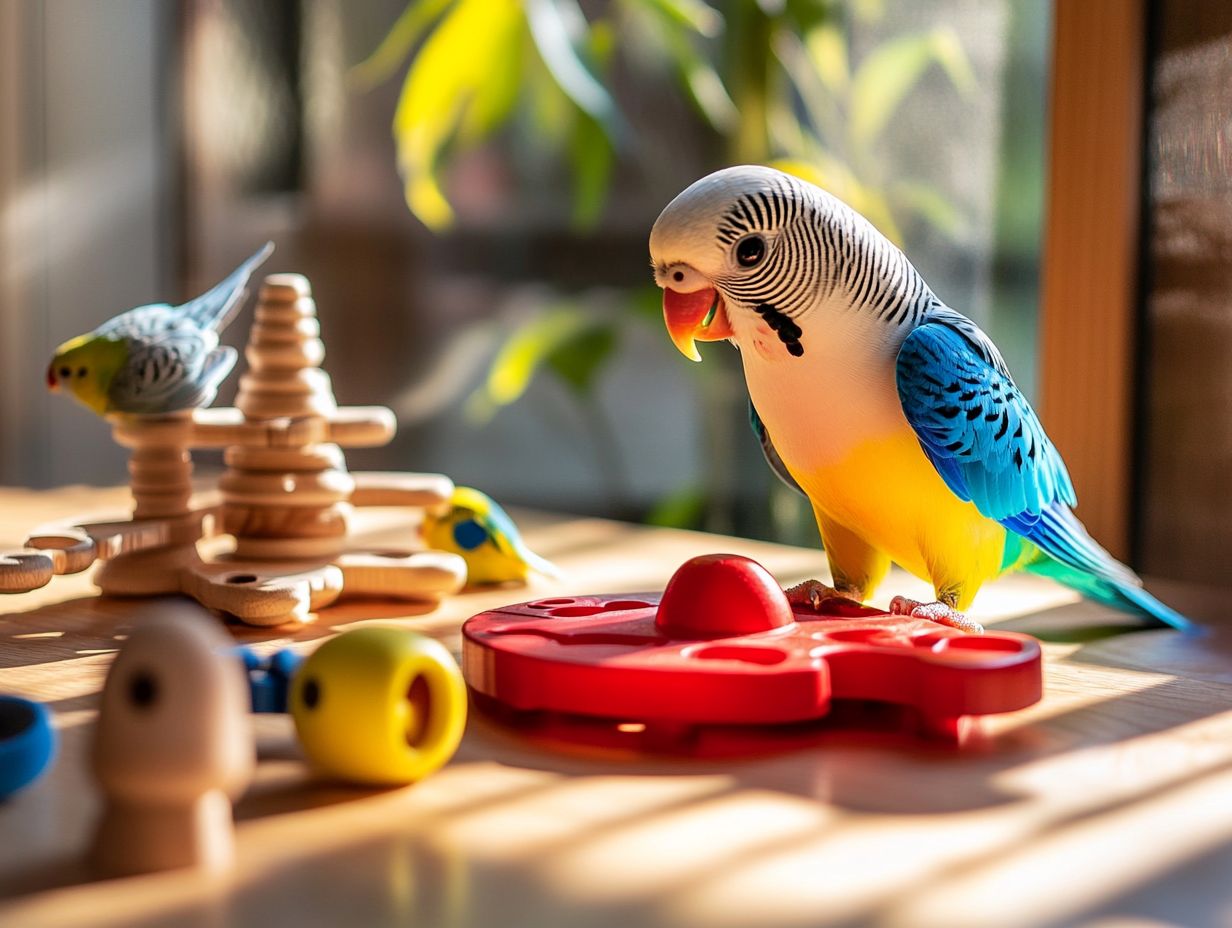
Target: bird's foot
<point>813,593</point>
<point>936,612</point>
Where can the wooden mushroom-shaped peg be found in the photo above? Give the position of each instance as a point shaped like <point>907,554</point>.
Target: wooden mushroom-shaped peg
<point>172,746</point>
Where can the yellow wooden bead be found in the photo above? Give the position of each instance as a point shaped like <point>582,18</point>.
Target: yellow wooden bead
<point>379,706</point>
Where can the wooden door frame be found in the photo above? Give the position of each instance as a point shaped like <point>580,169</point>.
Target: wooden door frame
<point>1091,301</point>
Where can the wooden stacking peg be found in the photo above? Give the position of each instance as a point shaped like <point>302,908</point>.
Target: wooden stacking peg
<point>288,501</point>
<point>284,354</point>
<point>160,476</point>
<point>172,746</point>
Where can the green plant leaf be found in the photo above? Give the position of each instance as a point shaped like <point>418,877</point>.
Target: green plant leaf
<point>579,360</point>
<point>550,111</point>
<point>694,15</point>
<point>806,15</point>
<point>701,81</point>
<point>496,92</point>
<point>382,63</point>
<point>827,50</point>
<point>552,24</point>
<point>591,157</point>
<point>928,203</point>
<point>683,508</point>
<point>869,11</point>
<point>445,77</point>
<point>524,353</point>
<point>820,101</point>
<point>948,49</point>
<point>889,72</point>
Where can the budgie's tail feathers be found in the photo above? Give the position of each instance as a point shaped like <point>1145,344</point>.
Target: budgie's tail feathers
<point>215,308</point>
<point>1068,554</point>
<point>540,565</point>
<point>1129,597</point>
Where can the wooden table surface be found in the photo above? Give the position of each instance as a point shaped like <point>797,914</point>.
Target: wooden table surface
<point>1110,802</point>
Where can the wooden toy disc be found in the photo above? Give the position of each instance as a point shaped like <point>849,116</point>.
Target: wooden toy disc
<point>288,489</point>
<point>272,549</point>
<point>308,458</point>
<point>309,353</point>
<point>298,383</point>
<point>283,287</point>
<point>286,521</point>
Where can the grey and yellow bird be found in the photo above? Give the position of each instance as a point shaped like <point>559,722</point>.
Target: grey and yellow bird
<point>155,359</point>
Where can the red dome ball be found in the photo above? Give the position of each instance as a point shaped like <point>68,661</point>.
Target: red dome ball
<point>717,595</point>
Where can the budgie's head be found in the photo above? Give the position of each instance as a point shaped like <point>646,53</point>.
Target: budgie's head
<point>730,243</point>
<point>85,367</point>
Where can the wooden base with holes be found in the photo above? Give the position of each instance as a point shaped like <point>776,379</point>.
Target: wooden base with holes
<point>285,497</point>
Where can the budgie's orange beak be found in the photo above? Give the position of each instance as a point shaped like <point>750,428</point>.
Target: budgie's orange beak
<point>692,317</point>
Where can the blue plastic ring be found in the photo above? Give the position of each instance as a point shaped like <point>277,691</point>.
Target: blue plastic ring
<point>27,743</point>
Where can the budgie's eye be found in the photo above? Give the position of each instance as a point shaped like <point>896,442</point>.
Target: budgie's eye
<point>81,372</point>
<point>66,372</point>
<point>750,250</point>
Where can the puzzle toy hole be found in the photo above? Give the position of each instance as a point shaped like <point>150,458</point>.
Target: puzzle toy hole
<point>984,643</point>
<point>765,656</point>
<point>420,698</point>
<point>239,579</point>
<point>571,612</point>
<point>856,635</point>
<point>619,605</point>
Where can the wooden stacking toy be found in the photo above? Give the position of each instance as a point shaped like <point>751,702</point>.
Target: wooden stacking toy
<point>286,496</point>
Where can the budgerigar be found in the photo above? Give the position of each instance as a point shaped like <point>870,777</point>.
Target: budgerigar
<point>473,525</point>
<point>155,359</point>
<point>895,415</point>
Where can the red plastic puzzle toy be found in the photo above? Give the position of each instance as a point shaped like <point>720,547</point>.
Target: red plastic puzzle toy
<point>723,647</point>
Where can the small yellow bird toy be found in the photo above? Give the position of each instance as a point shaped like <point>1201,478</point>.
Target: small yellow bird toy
<point>475,527</point>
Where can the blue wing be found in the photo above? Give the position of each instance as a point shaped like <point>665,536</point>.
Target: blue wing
<point>988,445</point>
<point>976,426</point>
<point>770,453</point>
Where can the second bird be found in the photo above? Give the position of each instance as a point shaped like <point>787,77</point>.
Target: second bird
<point>155,359</point>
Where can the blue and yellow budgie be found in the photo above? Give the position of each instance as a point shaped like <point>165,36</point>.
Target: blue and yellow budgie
<point>155,359</point>
<point>474,526</point>
<point>895,415</point>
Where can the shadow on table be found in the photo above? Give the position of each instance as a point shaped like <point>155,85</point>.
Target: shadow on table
<point>676,861</point>
<point>89,625</point>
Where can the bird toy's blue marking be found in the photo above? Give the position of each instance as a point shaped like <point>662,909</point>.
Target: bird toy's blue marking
<point>469,535</point>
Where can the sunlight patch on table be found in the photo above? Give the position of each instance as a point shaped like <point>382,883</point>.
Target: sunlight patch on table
<point>662,852</point>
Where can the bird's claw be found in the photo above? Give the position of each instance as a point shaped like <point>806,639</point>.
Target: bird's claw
<point>812,593</point>
<point>935,612</point>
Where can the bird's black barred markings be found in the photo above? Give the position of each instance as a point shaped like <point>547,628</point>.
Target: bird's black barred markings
<point>788,332</point>
<point>816,251</point>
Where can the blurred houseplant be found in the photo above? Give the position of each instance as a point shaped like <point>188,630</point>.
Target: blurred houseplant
<point>771,80</point>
